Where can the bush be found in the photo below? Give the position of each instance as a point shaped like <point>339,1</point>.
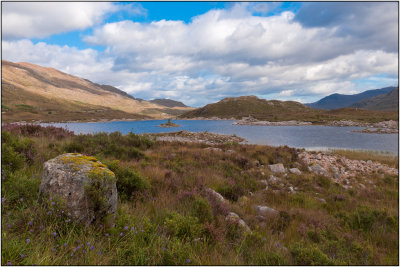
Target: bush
<point>35,130</point>
<point>364,218</point>
<point>309,255</point>
<point>202,210</point>
<point>111,145</point>
<point>183,227</point>
<point>16,151</point>
<point>128,181</point>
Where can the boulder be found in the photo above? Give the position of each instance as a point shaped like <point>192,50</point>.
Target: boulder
<point>277,168</point>
<point>234,218</point>
<point>86,186</point>
<point>318,169</point>
<point>266,211</point>
<point>295,171</point>
<point>274,179</point>
<point>215,195</point>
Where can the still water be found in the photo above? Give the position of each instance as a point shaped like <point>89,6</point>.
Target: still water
<point>309,137</point>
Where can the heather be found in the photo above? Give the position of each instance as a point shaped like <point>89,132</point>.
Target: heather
<point>165,218</point>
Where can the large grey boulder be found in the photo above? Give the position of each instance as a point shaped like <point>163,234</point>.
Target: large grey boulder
<point>87,188</point>
<point>277,168</point>
<point>295,171</point>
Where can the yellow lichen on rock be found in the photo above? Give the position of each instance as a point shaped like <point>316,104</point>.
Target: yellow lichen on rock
<point>76,160</point>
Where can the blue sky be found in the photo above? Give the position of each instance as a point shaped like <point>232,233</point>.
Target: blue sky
<point>201,52</point>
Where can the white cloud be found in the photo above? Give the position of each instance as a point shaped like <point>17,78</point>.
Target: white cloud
<point>41,19</point>
<point>220,53</point>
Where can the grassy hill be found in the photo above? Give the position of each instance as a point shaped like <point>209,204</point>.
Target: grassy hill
<point>389,101</point>
<point>336,101</point>
<point>274,110</point>
<point>32,92</point>
<point>168,103</point>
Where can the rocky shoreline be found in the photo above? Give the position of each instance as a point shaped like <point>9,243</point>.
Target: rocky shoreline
<point>200,137</point>
<point>272,123</point>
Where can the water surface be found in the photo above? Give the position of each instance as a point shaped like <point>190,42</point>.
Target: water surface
<point>309,137</point>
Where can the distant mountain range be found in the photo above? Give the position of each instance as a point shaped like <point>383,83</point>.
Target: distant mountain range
<point>336,101</point>
<point>32,92</point>
<point>168,103</point>
<point>389,101</point>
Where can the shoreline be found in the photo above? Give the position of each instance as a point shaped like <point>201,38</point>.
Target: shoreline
<point>382,127</point>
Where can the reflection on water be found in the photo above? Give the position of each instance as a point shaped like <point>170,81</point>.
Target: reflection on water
<point>311,137</point>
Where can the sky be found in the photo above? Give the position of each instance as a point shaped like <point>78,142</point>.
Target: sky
<point>202,52</point>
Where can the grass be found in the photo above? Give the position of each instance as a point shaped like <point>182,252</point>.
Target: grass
<point>383,157</point>
<point>164,217</point>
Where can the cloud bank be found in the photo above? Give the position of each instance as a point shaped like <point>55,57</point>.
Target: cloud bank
<point>321,49</point>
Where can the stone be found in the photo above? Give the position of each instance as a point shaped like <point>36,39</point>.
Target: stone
<point>86,186</point>
<point>274,179</point>
<point>215,195</point>
<point>264,182</point>
<point>291,189</point>
<point>229,151</point>
<point>214,149</point>
<point>234,218</point>
<point>362,186</point>
<point>321,199</point>
<point>266,211</point>
<point>277,168</point>
<point>318,169</point>
<point>295,171</point>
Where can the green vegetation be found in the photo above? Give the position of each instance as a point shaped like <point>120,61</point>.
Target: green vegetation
<point>275,110</point>
<point>168,124</point>
<point>165,218</point>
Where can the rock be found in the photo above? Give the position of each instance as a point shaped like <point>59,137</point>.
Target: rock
<point>215,195</point>
<point>291,189</point>
<point>266,211</point>
<point>321,199</point>
<point>264,182</point>
<point>369,161</point>
<point>214,149</point>
<point>295,171</point>
<point>274,179</point>
<point>316,168</point>
<point>362,186</point>
<point>336,175</point>
<point>229,151</point>
<point>234,218</point>
<point>86,186</point>
<point>277,168</point>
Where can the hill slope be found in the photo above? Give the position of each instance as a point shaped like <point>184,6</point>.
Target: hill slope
<point>335,101</point>
<point>244,106</point>
<point>31,91</point>
<point>274,110</point>
<point>389,101</point>
<point>168,103</point>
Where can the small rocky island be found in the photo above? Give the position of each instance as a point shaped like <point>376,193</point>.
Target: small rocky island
<point>168,124</point>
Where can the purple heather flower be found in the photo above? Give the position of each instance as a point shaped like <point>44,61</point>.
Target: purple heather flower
<point>28,240</point>
<point>55,234</point>
<point>30,223</point>
<point>121,234</point>
<point>164,248</point>
<point>99,252</point>
<point>8,263</point>
<point>92,247</point>
<point>72,254</point>
<point>126,227</point>
<point>107,234</point>
<point>133,228</point>
<point>49,212</point>
<point>188,260</point>
<point>3,199</point>
<point>22,255</point>
<point>78,247</point>
<point>84,251</point>
<point>9,225</point>
<point>21,199</point>
<point>101,226</point>
<point>88,243</point>
<point>41,227</point>
<point>154,199</point>
<point>54,249</point>
<point>4,177</point>
<point>31,230</point>
<point>264,239</point>
<point>10,163</point>
<point>65,244</point>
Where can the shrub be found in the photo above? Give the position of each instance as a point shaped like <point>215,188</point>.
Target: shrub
<point>128,181</point>
<point>183,227</point>
<point>364,218</point>
<point>16,151</point>
<point>35,130</point>
<point>202,210</point>
<point>111,145</point>
<point>309,255</point>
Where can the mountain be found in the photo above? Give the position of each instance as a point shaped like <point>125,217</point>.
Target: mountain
<point>389,101</point>
<point>335,101</point>
<point>32,92</point>
<point>274,110</point>
<point>168,103</point>
<point>244,106</point>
